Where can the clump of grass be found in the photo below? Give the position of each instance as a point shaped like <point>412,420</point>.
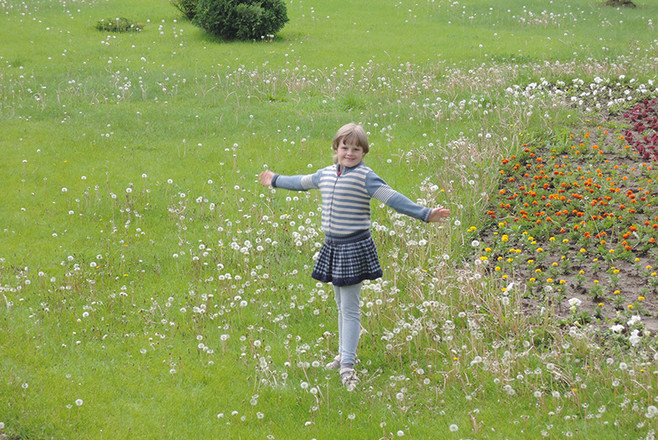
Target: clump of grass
<point>119,24</point>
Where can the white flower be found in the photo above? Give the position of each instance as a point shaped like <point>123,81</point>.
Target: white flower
<point>634,320</point>
<point>575,302</point>
<point>634,338</point>
<point>617,328</point>
<point>453,428</point>
<point>79,402</point>
<point>652,412</point>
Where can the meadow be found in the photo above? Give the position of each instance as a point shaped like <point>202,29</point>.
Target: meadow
<point>151,288</point>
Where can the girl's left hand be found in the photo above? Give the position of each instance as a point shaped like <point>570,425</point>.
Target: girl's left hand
<point>438,214</point>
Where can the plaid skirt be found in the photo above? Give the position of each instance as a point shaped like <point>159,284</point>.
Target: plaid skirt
<point>348,261</point>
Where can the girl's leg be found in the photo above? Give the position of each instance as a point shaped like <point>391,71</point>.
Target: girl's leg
<point>349,326</point>
<point>340,319</point>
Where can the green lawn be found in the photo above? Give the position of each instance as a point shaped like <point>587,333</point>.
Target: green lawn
<point>151,288</point>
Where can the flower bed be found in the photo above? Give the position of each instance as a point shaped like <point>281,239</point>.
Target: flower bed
<point>575,225</point>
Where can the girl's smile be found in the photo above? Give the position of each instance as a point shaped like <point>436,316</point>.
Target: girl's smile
<point>349,155</point>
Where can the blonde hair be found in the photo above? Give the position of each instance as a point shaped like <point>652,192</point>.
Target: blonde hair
<point>351,134</point>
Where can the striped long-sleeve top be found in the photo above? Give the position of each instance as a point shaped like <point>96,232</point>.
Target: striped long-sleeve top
<point>346,197</point>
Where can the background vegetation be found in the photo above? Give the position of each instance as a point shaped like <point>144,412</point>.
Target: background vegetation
<point>152,289</point>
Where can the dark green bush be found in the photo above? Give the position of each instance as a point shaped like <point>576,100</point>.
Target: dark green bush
<point>241,19</point>
<point>118,25</point>
<point>187,7</point>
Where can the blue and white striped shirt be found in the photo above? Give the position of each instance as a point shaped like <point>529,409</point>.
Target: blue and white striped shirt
<point>346,197</point>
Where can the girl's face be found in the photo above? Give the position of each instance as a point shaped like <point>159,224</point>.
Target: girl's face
<point>349,155</point>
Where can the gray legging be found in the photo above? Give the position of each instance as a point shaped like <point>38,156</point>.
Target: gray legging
<point>349,322</point>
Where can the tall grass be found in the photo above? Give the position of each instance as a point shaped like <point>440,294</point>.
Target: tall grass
<point>152,289</point>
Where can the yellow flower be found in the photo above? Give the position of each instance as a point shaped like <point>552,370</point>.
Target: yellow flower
<point>582,272</point>
<point>566,240</point>
<point>555,264</point>
<point>582,250</point>
<point>630,306</point>
<point>540,250</point>
<point>551,239</point>
<point>616,292</point>
<point>563,281</point>
<point>497,269</point>
<point>504,238</point>
<point>549,280</point>
<point>640,298</point>
<point>532,280</point>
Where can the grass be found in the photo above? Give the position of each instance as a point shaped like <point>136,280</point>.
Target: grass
<point>152,289</point>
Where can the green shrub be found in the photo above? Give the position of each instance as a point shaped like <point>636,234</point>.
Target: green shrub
<point>118,25</point>
<point>242,20</point>
<point>187,7</point>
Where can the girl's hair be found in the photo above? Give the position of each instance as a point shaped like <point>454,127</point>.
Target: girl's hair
<point>352,134</point>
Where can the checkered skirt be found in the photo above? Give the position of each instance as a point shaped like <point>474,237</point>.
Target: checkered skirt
<point>348,261</point>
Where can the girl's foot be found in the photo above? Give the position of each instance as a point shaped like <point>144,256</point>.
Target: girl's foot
<point>335,365</point>
<point>348,376</point>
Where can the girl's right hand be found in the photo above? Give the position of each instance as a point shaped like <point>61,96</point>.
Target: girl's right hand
<point>265,177</point>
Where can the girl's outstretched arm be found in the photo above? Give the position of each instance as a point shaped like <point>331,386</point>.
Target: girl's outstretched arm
<point>438,214</point>
<point>266,177</point>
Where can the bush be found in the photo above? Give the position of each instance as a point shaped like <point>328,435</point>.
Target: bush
<point>118,25</point>
<point>187,7</point>
<point>242,20</point>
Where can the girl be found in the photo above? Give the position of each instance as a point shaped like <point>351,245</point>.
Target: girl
<point>348,255</point>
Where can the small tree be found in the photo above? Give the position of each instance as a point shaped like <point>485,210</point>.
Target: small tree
<point>241,19</point>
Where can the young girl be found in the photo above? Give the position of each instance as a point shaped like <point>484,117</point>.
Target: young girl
<point>348,255</point>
